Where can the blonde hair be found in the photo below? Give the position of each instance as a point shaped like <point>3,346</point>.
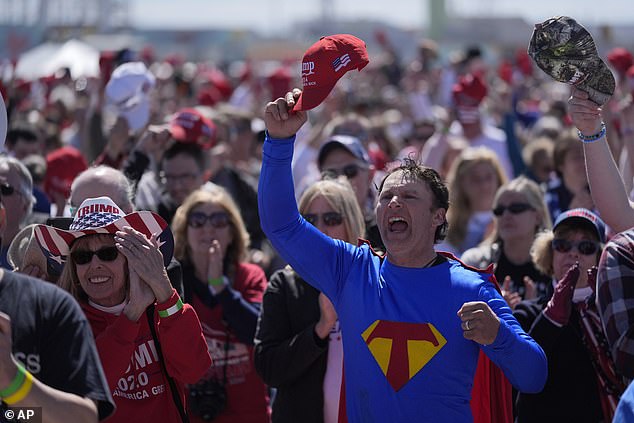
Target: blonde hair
<point>340,196</point>
<point>533,195</point>
<point>461,208</point>
<point>236,251</point>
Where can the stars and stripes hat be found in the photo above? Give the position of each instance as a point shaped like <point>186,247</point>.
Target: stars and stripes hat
<point>102,216</point>
<point>325,62</point>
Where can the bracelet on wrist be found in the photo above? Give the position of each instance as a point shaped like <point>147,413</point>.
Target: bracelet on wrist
<point>21,389</point>
<point>216,281</point>
<point>15,384</point>
<point>594,137</point>
<point>171,310</point>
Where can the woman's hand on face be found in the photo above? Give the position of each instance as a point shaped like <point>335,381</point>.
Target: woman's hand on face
<point>140,296</point>
<point>145,257</point>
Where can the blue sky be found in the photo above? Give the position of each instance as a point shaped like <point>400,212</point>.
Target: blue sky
<point>275,16</point>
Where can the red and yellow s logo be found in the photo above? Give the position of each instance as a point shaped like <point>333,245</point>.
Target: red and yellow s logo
<point>402,349</point>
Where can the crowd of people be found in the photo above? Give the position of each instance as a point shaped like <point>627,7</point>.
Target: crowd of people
<point>433,241</point>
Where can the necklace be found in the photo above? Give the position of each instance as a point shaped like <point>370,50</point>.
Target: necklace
<point>431,262</point>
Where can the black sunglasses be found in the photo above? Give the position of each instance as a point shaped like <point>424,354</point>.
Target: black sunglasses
<point>514,208</point>
<point>6,189</point>
<point>585,247</point>
<point>104,254</point>
<point>329,218</point>
<point>218,220</point>
<point>349,171</point>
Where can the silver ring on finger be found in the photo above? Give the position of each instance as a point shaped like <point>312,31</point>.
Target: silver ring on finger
<point>466,325</point>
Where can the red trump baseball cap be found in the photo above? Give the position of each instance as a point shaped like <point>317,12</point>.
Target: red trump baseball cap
<point>325,62</point>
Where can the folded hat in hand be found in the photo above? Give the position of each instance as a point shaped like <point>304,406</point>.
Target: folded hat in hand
<point>565,50</point>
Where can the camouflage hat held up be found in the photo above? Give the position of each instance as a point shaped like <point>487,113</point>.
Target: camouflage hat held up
<point>565,50</point>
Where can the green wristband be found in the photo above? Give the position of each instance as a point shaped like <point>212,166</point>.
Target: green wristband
<point>172,310</point>
<point>216,281</point>
<point>15,384</point>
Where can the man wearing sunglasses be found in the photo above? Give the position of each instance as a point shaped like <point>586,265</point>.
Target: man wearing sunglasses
<point>16,186</point>
<point>414,322</point>
<point>345,155</point>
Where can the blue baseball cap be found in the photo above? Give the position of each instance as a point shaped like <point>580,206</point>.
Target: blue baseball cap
<point>347,142</point>
<point>583,216</point>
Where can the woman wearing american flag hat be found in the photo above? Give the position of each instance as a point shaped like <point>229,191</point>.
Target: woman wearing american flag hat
<point>150,343</point>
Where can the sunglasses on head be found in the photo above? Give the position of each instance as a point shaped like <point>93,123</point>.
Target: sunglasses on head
<point>217,220</point>
<point>329,218</point>
<point>513,208</point>
<point>585,247</point>
<point>104,254</point>
<point>349,171</point>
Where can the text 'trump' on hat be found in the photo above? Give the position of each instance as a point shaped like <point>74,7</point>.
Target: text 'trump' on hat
<point>566,51</point>
<point>102,216</point>
<point>325,62</point>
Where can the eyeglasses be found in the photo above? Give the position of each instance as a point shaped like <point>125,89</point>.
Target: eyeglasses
<point>104,254</point>
<point>349,171</point>
<point>175,178</point>
<point>585,247</point>
<point>514,208</point>
<point>329,218</point>
<point>217,220</point>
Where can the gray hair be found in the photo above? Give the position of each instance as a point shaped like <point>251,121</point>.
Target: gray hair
<point>114,183</point>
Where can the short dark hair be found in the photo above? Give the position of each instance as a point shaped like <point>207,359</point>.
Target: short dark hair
<point>188,149</point>
<point>21,131</point>
<point>412,168</point>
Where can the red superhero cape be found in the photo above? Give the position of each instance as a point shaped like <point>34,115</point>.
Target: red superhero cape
<point>491,396</point>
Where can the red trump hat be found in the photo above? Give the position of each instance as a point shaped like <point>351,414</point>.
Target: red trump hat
<point>325,62</point>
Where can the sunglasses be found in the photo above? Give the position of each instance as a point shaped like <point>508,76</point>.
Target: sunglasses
<point>513,208</point>
<point>104,254</point>
<point>329,218</point>
<point>585,247</point>
<point>349,171</point>
<point>217,220</point>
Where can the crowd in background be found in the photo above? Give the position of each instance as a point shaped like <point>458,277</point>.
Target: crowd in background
<point>188,137</point>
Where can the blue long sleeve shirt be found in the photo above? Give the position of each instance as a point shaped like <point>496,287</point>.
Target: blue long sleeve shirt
<point>405,357</point>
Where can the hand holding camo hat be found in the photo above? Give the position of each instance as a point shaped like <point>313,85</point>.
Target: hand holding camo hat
<point>565,50</point>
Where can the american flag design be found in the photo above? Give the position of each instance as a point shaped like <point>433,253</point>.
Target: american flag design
<point>55,243</point>
<point>341,62</point>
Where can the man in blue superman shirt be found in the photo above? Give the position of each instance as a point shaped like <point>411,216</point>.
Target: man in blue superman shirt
<point>413,322</point>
